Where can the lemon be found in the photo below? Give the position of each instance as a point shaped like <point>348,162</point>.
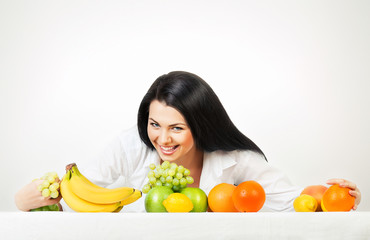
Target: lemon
<point>323,207</point>
<point>305,203</point>
<point>178,202</point>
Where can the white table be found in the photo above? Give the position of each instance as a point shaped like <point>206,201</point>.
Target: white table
<point>107,226</point>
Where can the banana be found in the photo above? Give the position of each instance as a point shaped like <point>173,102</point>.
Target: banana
<point>118,209</point>
<point>72,165</point>
<point>91,192</point>
<point>80,205</point>
<point>135,196</point>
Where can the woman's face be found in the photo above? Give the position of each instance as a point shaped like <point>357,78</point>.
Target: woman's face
<point>169,133</point>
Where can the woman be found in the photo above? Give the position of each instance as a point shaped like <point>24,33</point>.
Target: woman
<point>181,120</point>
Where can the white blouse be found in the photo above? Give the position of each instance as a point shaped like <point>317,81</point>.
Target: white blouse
<point>127,159</point>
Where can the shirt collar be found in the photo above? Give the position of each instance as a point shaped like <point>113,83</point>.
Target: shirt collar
<point>218,161</point>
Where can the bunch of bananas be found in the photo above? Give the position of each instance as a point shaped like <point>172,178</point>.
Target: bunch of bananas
<point>84,196</point>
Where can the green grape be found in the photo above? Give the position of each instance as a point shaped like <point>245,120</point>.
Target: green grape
<point>45,192</point>
<point>157,175</point>
<point>175,181</point>
<point>179,175</point>
<point>167,184</point>
<point>146,188</point>
<point>183,182</point>
<point>152,166</point>
<point>158,183</point>
<point>54,194</point>
<point>152,180</point>
<point>165,165</point>
<point>45,184</point>
<point>189,180</point>
<point>173,166</point>
<point>176,188</point>
<point>186,172</point>
<point>171,172</point>
<point>169,179</point>
<point>51,179</point>
<point>162,179</point>
<point>54,186</point>
<point>151,174</point>
<point>165,173</point>
<point>180,169</point>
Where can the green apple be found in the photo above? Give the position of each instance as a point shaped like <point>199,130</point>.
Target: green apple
<point>155,198</point>
<point>198,198</point>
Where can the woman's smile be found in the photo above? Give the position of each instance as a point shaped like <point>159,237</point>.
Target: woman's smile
<point>168,150</point>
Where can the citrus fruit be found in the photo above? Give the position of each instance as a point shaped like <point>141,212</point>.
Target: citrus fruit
<point>178,202</point>
<point>198,197</point>
<point>219,198</point>
<point>337,199</point>
<point>316,191</point>
<point>249,196</point>
<point>305,203</point>
<point>155,197</point>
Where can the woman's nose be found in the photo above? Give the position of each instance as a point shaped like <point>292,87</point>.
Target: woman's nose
<point>164,137</point>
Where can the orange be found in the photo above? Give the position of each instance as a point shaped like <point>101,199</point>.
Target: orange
<point>337,199</point>
<point>249,196</point>
<point>316,191</point>
<point>219,198</point>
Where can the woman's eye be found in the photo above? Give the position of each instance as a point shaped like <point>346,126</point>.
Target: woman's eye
<point>177,129</point>
<point>154,125</point>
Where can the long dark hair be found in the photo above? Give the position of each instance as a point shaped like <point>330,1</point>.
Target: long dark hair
<point>208,121</point>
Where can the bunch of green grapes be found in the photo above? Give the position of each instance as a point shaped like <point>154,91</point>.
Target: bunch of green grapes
<point>168,174</point>
<point>49,188</point>
<point>50,185</point>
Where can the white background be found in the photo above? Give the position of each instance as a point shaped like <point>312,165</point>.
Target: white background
<point>293,76</point>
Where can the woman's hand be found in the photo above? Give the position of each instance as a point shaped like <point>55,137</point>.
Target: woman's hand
<point>29,197</point>
<point>355,192</point>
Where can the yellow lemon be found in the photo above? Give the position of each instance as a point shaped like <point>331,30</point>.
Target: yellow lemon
<point>178,202</point>
<point>305,203</point>
<point>323,207</point>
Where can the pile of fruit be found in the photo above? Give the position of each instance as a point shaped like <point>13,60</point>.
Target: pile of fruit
<point>167,191</point>
<point>318,198</point>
